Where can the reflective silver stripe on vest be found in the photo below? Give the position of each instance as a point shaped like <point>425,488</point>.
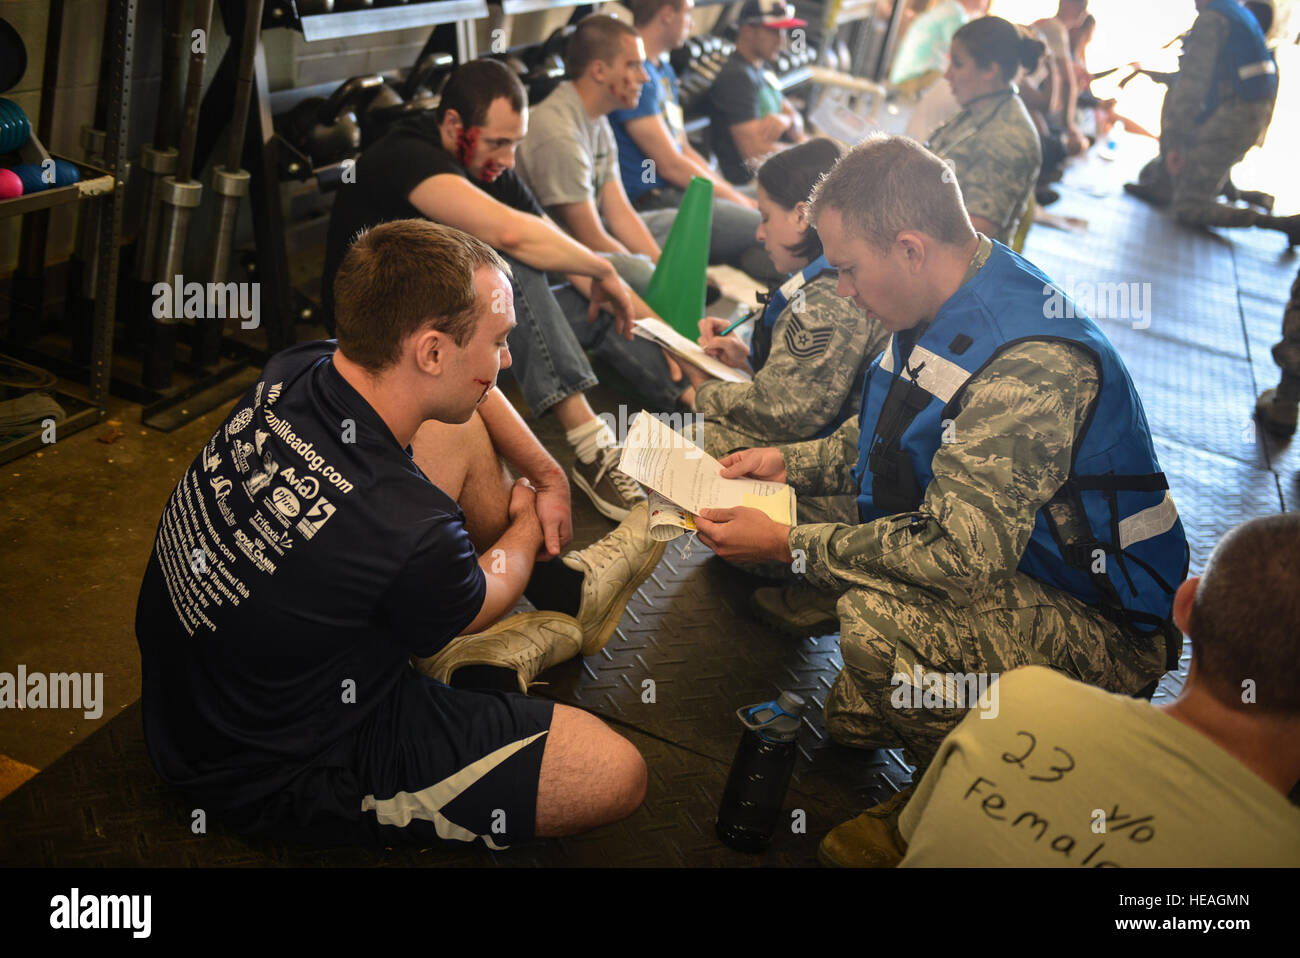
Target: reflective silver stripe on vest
<point>887,357</point>
<point>1148,523</point>
<point>939,377</point>
<point>792,285</point>
<point>1252,70</point>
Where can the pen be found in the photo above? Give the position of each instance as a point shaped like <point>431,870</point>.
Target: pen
<point>744,319</point>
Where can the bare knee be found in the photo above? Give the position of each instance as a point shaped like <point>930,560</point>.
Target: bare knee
<point>447,452</point>
<point>590,775</point>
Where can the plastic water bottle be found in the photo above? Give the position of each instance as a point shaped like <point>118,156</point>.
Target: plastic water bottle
<point>760,773</point>
<point>1112,145</point>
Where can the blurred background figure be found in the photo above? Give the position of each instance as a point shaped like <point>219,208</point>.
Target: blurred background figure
<point>992,144</point>
<point>748,116</point>
<point>922,54</point>
<point>1061,113</point>
<point>1278,409</point>
<point>1218,107</point>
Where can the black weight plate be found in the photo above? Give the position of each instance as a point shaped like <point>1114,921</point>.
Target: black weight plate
<point>13,56</point>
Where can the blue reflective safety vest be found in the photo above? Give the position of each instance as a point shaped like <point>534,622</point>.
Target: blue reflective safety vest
<point>1135,552</point>
<point>1247,69</point>
<point>760,342</point>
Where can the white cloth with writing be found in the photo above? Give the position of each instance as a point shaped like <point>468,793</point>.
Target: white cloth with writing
<point>1065,774</point>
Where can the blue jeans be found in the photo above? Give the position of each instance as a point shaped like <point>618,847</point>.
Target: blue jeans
<point>548,344</point>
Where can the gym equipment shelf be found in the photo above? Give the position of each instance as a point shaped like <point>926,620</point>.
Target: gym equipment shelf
<point>101,186</point>
<point>333,26</point>
<point>101,182</point>
<point>509,7</point>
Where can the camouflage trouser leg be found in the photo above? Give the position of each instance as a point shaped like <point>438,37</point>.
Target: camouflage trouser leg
<point>893,629</point>
<point>1287,353</point>
<point>1154,177</point>
<point>1219,146</point>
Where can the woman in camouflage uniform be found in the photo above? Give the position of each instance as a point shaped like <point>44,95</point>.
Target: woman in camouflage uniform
<point>810,348</point>
<point>992,145</point>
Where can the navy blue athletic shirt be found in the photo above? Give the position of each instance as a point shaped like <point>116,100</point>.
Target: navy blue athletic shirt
<point>301,559</point>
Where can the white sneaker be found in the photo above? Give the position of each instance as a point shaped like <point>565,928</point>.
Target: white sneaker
<point>613,568</point>
<point>529,643</point>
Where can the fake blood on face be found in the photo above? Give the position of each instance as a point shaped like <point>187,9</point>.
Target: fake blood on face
<point>465,145</point>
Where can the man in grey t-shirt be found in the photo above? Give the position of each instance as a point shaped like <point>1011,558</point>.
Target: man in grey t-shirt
<point>570,159</point>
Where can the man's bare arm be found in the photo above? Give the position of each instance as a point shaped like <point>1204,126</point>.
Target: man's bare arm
<point>516,443</point>
<point>795,134</point>
<point>627,227</point>
<point>453,201</point>
<point>508,564</point>
<point>652,137</point>
<point>583,223</point>
<point>757,138</point>
<point>721,188</point>
<point>640,308</point>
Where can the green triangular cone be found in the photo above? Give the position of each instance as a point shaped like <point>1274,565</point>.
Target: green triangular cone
<point>677,290</point>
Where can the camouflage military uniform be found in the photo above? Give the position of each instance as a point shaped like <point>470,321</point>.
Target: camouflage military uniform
<point>1287,353</point>
<point>938,588</point>
<point>1210,148</point>
<point>821,349</point>
<point>1278,409</point>
<point>996,154</point>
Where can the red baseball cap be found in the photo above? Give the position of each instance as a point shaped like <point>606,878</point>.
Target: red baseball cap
<point>773,14</point>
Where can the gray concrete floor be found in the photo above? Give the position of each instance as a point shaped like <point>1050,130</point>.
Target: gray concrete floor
<point>77,522</point>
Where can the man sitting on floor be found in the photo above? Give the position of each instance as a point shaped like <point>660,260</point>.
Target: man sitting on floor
<point>304,558</point>
<point>1012,509</point>
<point>455,167</point>
<point>1064,774</point>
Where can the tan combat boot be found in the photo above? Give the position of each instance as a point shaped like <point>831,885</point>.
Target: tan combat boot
<point>871,840</point>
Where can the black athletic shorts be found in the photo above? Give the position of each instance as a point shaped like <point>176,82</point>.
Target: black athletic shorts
<point>430,763</point>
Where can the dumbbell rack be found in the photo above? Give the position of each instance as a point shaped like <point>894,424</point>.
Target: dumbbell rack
<point>871,51</point>
<point>271,164</point>
<point>105,187</point>
<point>697,64</point>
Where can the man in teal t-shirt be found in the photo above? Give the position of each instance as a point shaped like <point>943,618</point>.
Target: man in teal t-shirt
<point>748,116</point>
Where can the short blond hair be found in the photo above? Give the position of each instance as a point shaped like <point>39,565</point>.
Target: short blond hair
<point>888,184</point>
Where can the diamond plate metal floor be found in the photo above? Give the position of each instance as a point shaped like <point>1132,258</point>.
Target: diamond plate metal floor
<point>1199,356</point>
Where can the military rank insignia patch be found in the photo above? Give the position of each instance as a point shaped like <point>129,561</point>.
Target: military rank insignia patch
<point>804,343</point>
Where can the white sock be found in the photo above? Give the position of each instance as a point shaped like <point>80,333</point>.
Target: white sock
<point>589,438</point>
